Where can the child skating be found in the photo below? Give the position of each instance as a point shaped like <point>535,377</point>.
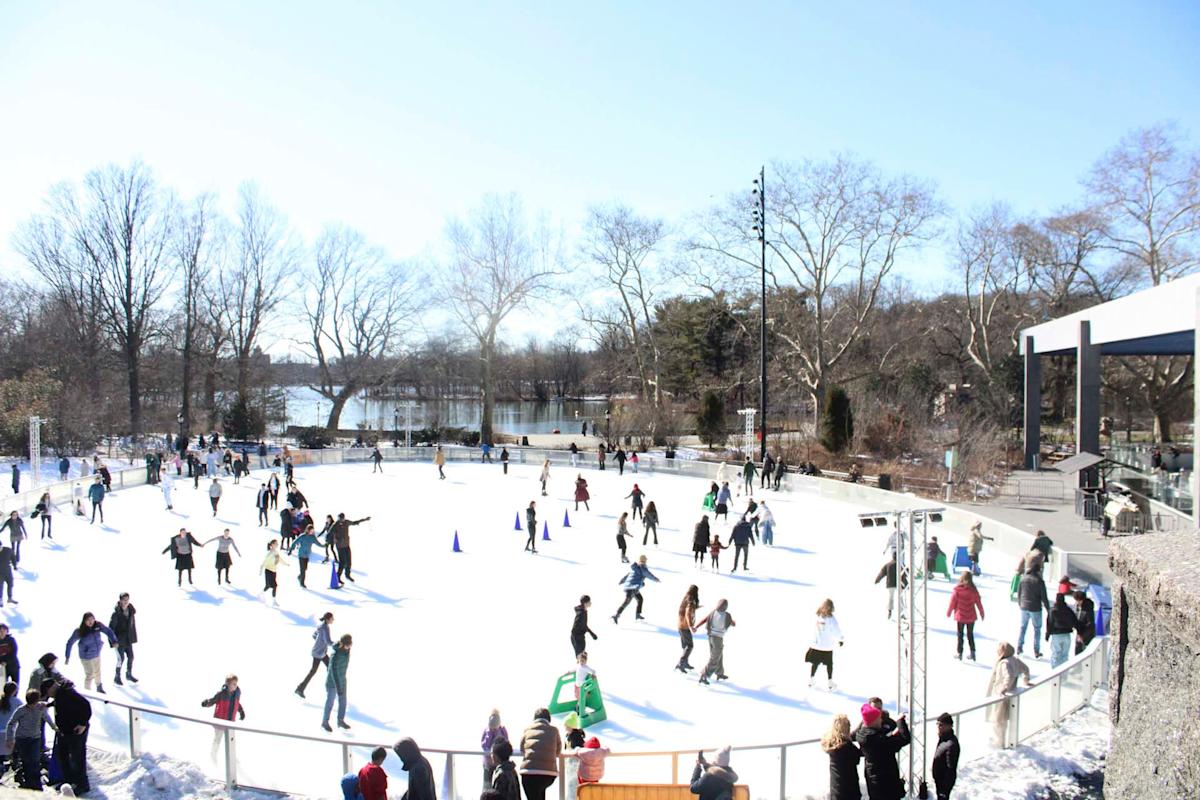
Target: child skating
<point>622,534</point>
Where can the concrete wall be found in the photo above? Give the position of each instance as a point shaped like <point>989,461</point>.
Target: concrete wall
<point>1155,677</point>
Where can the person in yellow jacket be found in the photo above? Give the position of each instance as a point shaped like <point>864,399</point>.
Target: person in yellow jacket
<point>270,566</point>
<point>439,458</point>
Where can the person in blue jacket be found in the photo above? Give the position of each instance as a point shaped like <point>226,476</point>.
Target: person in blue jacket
<point>305,541</point>
<point>633,583</point>
<point>96,495</point>
<point>91,645</point>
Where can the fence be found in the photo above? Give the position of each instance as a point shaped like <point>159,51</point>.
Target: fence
<point>249,757</point>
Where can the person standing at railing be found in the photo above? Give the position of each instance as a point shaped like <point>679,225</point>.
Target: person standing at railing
<point>768,470</point>
<point>945,757</point>
<point>1003,683</point>
<point>494,731</point>
<point>844,756</point>
<point>420,774</point>
<point>16,478</point>
<point>713,781</point>
<point>228,703</point>
<point>124,625</point>
<point>1060,630</point>
<point>780,469</point>
<point>503,780</point>
<point>541,745</point>
<point>23,736</point>
<point>371,781</point>
<point>1085,616</point>
<point>879,749</point>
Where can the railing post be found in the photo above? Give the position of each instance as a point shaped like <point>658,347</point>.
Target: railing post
<point>562,776</point>
<point>1014,721</point>
<point>230,760</point>
<point>1056,698</point>
<point>450,769</point>
<point>135,733</point>
<point>345,758</point>
<point>674,767</point>
<point>783,772</point>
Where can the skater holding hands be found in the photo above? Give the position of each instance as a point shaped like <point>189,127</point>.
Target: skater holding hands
<point>716,624</point>
<point>687,622</point>
<point>180,548</point>
<point>714,553</point>
<point>225,543</point>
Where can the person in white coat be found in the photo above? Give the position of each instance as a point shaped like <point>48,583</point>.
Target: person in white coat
<point>827,635</point>
<point>168,483</point>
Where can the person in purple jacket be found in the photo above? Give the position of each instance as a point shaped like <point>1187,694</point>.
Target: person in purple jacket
<point>494,730</point>
<point>88,634</point>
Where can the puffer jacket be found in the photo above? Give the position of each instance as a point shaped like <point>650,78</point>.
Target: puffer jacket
<point>712,782</point>
<point>335,676</point>
<point>591,763</point>
<point>90,643</point>
<point>1031,593</point>
<point>541,744</point>
<point>636,578</point>
<point>964,601</point>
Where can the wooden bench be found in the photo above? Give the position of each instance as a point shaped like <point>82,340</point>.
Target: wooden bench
<point>647,791</point>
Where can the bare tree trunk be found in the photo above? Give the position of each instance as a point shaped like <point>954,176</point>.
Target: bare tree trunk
<point>487,390</point>
<point>337,404</point>
<point>1162,426</point>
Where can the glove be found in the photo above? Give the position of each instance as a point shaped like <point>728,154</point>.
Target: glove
<point>840,644</point>
<point>205,703</point>
<point>241,713</point>
<point>594,637</point>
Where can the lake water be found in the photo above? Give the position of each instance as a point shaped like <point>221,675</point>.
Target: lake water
<point>306,407</point>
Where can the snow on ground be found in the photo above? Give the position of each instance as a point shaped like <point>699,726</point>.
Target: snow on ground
<point>443,637</point>
<point>1066,759</point>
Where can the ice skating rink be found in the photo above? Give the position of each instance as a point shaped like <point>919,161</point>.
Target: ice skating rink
<point>441,637</point>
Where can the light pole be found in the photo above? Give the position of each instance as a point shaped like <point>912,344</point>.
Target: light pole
<point>396,426</point>
<point>608,426</point>
<point>180,419</point>
<point>760,226</point>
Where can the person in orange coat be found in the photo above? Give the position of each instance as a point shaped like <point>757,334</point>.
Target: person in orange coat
<point>964,601</point>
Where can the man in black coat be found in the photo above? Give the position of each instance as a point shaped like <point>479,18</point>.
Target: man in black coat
<point>945,757</point>
<point>72,714</point>
<point>8,655</point>
<point>124,625</point>
<point>340,534</point>
<point>580,626</point>
<point>880,769</point>
<point>420,775</point>
<point>742,536</point>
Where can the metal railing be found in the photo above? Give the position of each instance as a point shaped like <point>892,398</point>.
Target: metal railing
<point>249,757</point>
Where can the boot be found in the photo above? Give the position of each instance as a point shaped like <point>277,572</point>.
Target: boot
<point>117,678</point>
<point>129,676</point>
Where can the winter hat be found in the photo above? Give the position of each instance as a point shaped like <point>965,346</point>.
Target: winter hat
<point>494,720</point>
<point>870,713</point>
<point>722,757</point>
<point>572,722</point>
<point>592,743</point>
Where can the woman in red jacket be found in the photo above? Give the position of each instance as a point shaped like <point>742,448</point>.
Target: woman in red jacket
<point>964,601</point>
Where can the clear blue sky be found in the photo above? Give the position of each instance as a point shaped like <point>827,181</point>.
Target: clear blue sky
<point>389,116</point>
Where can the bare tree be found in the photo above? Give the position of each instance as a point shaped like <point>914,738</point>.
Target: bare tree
<point>357,307</point>
<point>835,230</point>
<point>497,265</point>
<point>263,259</point>
<point>197,244</point>
<point>623,246</point>
<point>111,246</point>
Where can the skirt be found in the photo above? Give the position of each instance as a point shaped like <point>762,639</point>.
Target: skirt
<point>819,657</point>
<point>223,560</point>
<point>183,562</point>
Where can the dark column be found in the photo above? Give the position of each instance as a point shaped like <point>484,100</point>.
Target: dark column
<point>1033,402</point>
<point>1087,399</point>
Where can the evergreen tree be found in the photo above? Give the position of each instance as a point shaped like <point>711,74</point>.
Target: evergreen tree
<point>710,422</point>
<point>837,424</point>
<point>243,421</point>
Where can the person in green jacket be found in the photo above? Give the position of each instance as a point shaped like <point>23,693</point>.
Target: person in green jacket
<point>335,682</point>
<point>306,541</point>
<point>748,472</point>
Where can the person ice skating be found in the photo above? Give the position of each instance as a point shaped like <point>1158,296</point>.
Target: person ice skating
<point>124,625</point>
<point>581,493</point>
<point>620,458</point>
<point>504,459</point>
<point>945,757</point>
<point>273,488</point>
<point>600,452</point>
<point>269,568</point>
<point>6,573</point>
<point>225,543</point>
<point>582,673</point>
<point>888,571</point>
<point>262,503</point>
<point>46,670</point>
<point>742,537</point>
<point>650,521</point>
<point>1085,621</point>
<point>44,510</point>
<point>326,537</point>
<point>748,473</point>
<point>1060,630</point>
<point>965,606</point>
<point>687,622</point>
<point>287,522</point>
<point>879,749</point>
<point>168,485</point>
<point>622,535</point>
<point>485,453</point>
<point>844,756</point>
<point>23,736</point>
<point>322,640</point>
<point>766,522</point>
<point>580,625</point>
<point>826,634</point>
<point>714,553</point>
<point>180,548</point>
<point>226,704</point>
<point>96,494</point>
<point>751,513</point>
<point>91,645</point>
<point>724,498</point>
<point>710,499</point>
<point>932,551</point>
<point>214,494</point>
<point>494,732</point>
<point>9,663</point>
<point>716,625</point>
<point>700,541</point>
<point>420,774</point>
<point>341,543</point>
<point>633,583</point>
<point>637,495</point>
<point>531,526</point>
<point>295,497</point>
<point>372,779</point>
<point>439,458</point>
<point>377,461</point>
<point>64,468</point>
<point>768,469</point>
<point>633,462</point>
<point>503,780</point>
<point>780,470</point>
<point>306,541</point>
<point>574,454</point>
<point>16,534</point>
<point>1031,599</point>
<point>541,745</point>
<point>77,499</point>
<point>335,683</point>
<point>713,781</point>
<point>545,476</point>
<point>1003,683</point>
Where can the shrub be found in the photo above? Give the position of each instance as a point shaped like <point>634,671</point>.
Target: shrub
<point>314,438</point>
<point>710,422</point>
<point>243,421</point>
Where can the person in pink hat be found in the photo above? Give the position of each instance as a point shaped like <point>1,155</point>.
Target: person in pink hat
<point>879,750</point>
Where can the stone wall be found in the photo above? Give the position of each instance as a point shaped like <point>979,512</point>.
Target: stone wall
<point>1155,675</point>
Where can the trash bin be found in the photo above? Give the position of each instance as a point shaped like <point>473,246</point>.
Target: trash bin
<point>885,481</point>
<point>524,441</point>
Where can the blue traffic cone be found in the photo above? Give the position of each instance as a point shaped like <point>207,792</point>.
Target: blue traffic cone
<point>517,522</point>
<point>545,531</point>
<point>1100,631</point>
<point>457,549</point>
<point>566,519</point>
<point>333,576</point>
